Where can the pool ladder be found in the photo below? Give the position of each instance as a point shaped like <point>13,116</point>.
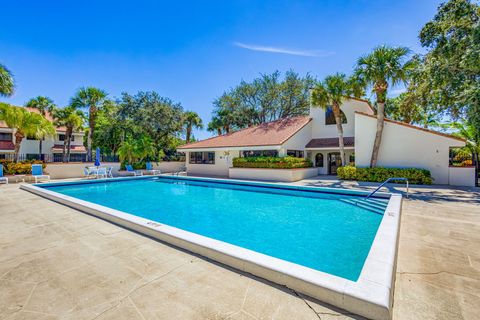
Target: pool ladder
<point>177,173</point>
<point>384,183</point>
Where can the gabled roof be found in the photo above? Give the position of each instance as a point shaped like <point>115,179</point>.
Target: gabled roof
<point>330,142</point>
<point>266,134</point>
<point>446,135</point>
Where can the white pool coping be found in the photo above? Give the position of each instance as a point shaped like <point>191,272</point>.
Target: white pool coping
<point>370,296</point>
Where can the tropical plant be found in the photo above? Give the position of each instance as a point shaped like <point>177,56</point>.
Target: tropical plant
<point>470,133</point>
<point>89,98</point>
<point>191,120</point>
<point>72,119</point>
<point>384,67</point>
<point>45,106</point>
<point>331,93</point>
<point>7,84</point>
<point>25,123</point>
<point>215,125</point>
<point>133,151</point>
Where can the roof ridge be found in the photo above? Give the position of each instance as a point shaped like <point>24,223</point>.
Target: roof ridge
<point>185,146</point>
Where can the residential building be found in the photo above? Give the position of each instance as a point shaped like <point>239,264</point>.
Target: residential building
<point>315,137</point>
<point>52,147</point>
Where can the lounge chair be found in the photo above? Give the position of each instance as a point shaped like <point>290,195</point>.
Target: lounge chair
<point>37,173</point>
<point>149,169</point>
<point>134,172</point>
<point>2,178</point>
<point>88,173</point>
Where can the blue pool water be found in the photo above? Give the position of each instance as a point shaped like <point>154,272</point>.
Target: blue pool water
<point>323,231</point>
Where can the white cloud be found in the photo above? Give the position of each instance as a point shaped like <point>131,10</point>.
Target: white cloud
<point>294,52</point>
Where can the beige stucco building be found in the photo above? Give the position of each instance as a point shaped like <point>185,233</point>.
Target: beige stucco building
<point>315,137</point>
<point>52,146</point>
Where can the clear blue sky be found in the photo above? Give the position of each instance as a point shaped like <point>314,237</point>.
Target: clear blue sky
<point>192,51</point>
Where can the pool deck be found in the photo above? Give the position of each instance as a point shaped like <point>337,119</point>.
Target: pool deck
<point>58,263</point>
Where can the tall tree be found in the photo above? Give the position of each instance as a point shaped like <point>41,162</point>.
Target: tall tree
<point>89,98</point>
<point>148,113</point>
<point>45,106</point>
<point>215,125</point>
<point>266,98</point>
<point>191,120</point>
<point>72,119</point>
<point>7,84</point>
<point>331,93</point>
<point>25,123</point>
<point>385,66</point>
<point>450,70</point>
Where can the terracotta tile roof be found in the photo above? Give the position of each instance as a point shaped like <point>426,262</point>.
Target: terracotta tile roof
<point>59,148</point>
<point>446,135</point>
<point>266,134</point>
<point>6,145</point>
<point>48,116</point>
<point>330,142</point>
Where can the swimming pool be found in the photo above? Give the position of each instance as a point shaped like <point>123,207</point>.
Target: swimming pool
<point>323,230</point>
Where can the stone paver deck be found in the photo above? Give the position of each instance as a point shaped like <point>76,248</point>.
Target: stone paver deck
<point>58,263</point>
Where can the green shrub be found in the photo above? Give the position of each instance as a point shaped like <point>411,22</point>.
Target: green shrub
<point>272,162</point>
<point>22,167</point>
<point>379,174</point>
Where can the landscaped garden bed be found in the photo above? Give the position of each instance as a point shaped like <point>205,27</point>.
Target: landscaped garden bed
<point>380,174</point>
<point>272,162</point>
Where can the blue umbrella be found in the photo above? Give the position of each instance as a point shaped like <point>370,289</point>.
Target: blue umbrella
<point>97,157</point>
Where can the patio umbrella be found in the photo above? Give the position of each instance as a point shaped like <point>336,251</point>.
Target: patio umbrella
<point>97,157</point>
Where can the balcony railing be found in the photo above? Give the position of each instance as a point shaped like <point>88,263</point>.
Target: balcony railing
<point>56,157</point>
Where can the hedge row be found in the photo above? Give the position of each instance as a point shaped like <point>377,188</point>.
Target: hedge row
<point>22,167</point>
<point>379,174</point>
<point>272,162</point>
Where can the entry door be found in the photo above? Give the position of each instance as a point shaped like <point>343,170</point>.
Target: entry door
<point>334,161</point>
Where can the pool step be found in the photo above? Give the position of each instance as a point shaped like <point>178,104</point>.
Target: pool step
<point>373,206</point>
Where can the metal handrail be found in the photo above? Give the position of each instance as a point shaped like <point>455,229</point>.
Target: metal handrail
<point>177,173</point>
<point>384,183</point>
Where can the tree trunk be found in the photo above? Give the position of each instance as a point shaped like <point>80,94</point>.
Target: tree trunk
<point>40,148</point>
<point>18,140</point>
<point>68,137</point>
<point>91,123</point>
<point>189,132</point>
<point>64,151</point>
<point>338,120</point>
<point>379,133</point>
<point>219,131</point>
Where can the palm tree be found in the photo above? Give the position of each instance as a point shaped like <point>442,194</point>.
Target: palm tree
<point>215,125</point>
<point>89,98</point>
<point>332,92</point>
<point>191,120</point>
<point>126,151</point>
<point>45,106</point>
<point>385,66</point>
<point>25,123</point>
<point>7,84</point>
<point>72,119</point>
